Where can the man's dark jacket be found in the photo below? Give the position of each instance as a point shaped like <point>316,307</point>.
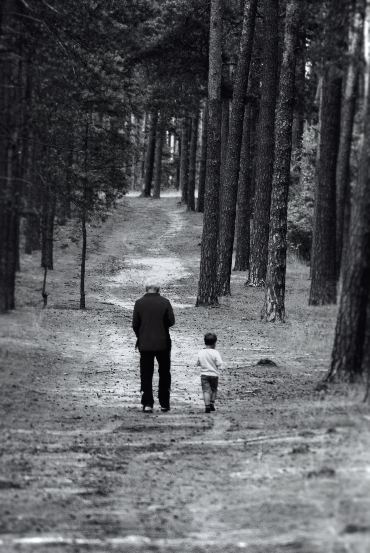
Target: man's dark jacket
<point>153,316</point>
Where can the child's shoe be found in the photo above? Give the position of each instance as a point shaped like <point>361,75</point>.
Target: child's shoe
<point>208,409</point>
<point>212,407</point>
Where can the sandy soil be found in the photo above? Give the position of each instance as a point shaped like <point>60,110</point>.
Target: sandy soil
<point>280,466</point>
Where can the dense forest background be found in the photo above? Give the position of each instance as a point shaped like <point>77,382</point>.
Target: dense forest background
<point>262,106</point>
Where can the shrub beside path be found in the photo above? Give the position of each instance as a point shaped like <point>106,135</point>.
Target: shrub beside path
<point>282,465</point>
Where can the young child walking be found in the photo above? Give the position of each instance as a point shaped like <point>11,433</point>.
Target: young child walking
<point>210,363</point>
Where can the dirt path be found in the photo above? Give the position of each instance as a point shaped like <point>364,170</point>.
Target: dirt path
<point>278,467</point>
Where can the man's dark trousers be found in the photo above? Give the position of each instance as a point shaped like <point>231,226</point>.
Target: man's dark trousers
<point>146,375</point>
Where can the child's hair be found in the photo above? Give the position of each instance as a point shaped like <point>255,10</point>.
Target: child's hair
<point>210,338</point>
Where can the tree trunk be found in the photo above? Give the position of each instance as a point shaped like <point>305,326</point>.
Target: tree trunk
<point>47,228</point>
<point>365,367</point>
<point>32,231</point>
<point>324,280</point>
<point>34,203</point>
<point>178,164</point>
<point>244,197</point>
<point>11,94</point>
<point>229,188</point>
<point>12,224</point>
<point>66,197</point>
<point>299,101</point>
<point>274,304</point>
<point>184,160</point>
<point>135,126</point>
<point>83,260</point>
<point>346,123</point>
<point>193,161</point>
<point>143,145</point>
<point>158,158</point>
<point>138,149</point>
<point>352,322</point>
<point>254,124</point>
<point>149,157</point>
<point>203,160</point>
<point>207,288</point>
<point>265,145</point>
<point>225,122</point>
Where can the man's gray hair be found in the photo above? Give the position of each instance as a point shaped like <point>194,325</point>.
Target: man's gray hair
<point>152,283</point>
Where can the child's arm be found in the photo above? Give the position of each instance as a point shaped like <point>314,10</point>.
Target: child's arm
<point>218,360</point>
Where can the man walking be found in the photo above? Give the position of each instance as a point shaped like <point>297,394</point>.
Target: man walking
<point>152,318</point>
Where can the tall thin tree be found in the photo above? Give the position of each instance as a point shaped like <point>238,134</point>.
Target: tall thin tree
<point>184,160</point>
<point>192,161</point>
<point>149,156</point>
<point>207,287</point>
<point>229,188</point>
<point>158,157</point>
<point>244,196</point>
<point>274,304</point>
<point>265,144</point>
<point>348,108</point>
<point>353,321</point>
<point>203,159</point>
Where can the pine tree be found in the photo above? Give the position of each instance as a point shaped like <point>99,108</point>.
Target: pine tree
<point>207,288</point>
<point>274,304</point>
<point>192,161</point>
<point>346,124</point>
<point>229,186</point>
<point>352,328</point>
<point>158,157</point>
<point>203,160</point>
<point>244,195</point>
<point>265,145</point>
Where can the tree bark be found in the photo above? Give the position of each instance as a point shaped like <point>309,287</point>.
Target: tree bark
<point>225,127</point>
<point>11,220</point>
<point>265,145</point>
<point>324,279</point>
<point>207,287</point>
<point>66,197</point>
<point>244,196</point>
<point>203,160</point>
<point>184,160</point>
<point>346,123</point>
<point>158,157</point>
<point>178,164</point>
<point>352,322</point>
<point>83,260</point>
<point>193,161</point>
<point>34,203</point>
<point>149,157</point>
<point>144,145</point>
<point>274,304</point>
<point>47,228</point>
<point>229,188</point>
<point>299,100</point>
<point>10,144</point>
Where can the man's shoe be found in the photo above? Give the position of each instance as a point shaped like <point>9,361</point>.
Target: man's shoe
<point>212,407</point>
<point>147,409</point>
<point>208,409</point>
<point>165,409</point>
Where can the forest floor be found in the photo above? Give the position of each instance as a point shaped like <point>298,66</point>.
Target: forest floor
<point>282,465</point>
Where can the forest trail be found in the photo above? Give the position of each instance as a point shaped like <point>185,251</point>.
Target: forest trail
<point>278,467</point>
